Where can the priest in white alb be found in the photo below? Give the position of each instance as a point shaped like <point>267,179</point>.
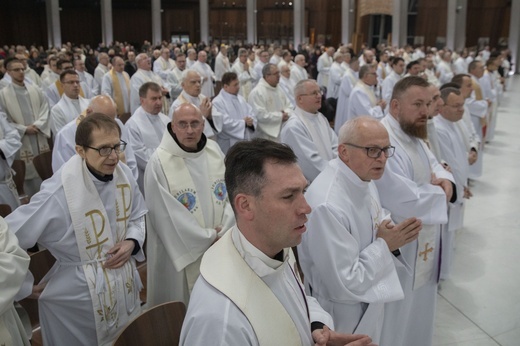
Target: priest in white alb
<point>239,120</point>
<point>92,291</point>
<point>414,184</point>
<point>349,80</point>
<point>27,111</point>
<point>188,203</point>
<point>65,143</point>
<point>14,262</point>
<point>308,132</point>
<point>246,73</point>
<point>249,291</point>
<point>71,103</point>
<point>348,254</point>
<point>144,74</point>
<point>146,127</point>
<point>272,108</point>
<point>335,74</point>
<point>362,99</point>
<point>116,84</point>
<point>191,83</point>
<point>10,143</point>
<point>207,74</point>
<point>164,65</point>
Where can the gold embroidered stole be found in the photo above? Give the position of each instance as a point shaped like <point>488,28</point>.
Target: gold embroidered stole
<point>114,292</point>
<point>118,93</point>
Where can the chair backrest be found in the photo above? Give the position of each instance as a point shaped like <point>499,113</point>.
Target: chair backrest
<point>158,326</point>
<point>41,262</point>
<point>19,167</point>
<point>43,164</point>
<point>5,209</point>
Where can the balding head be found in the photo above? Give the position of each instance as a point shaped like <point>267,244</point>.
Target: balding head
<point>187,125</point>
<point>191,82</point>
<point>102,104</point>
<point>300,60</point>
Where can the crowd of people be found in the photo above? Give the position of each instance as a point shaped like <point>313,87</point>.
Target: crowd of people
<point>292,197</point>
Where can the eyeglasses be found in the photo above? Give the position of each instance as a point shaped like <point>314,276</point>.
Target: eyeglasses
<point>184,126</point>
<point>106,151</point>
<point>375,152</point>
<point>315,93</point>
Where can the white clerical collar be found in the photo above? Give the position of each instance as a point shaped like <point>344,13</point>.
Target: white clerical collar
<point>307,114</point>
<point>349,173</point>
<point>264,83</point>
<point>225,95</point>
<point>261,264</point>
<point>69,99</point>
<point>193,99</point>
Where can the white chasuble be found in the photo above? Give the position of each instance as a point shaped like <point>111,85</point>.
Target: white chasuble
<point>114,292</point>
<point>422,175</point>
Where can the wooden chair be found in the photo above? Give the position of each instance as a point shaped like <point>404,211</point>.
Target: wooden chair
<point>158,326</point>
<point>41,262</point>
<point>19,178</point>
<point>5,209</point>
<point>43,164</point>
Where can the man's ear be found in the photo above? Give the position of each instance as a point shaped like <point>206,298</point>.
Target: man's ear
<point>244,206</point>
<point>81,151</point>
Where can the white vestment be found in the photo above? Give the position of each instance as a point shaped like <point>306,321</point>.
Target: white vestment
<point>174,81</point>
<point>454,151</point>
<point>14,262</point>
<point>221,66</point>
<point>234,109</point>
<point>99,72</point>
<point>163,68</point>
<point>245,78</point>
<point>298,73</point>
<point>178,234</point>
<point>388,86</point>
<point>65,111</point>
<point>258,73</point>
<point>213,318</point>
<point>348,82</point>
<point>65,305</point>
<point>139,78</point>
<point>89,81</point>
<point>208,77</point>
<point>49,80</point>
<point>362,101</point>
<point>10,143</point>
<point>460,66</point>
<point>324,63</point>
<point>26,106</point>
<point>335,74</point>
<point>53,94</point>
<point>65,147</point>
<point>268,103</point>
<point>210,131</point>
<point>446,72</point>
<point>145,132</point>
<point>351,272</point>
<point>433,139</point>
<point>312,140</point>
<point>287,85</point>
<point>107,88</point>
<point>405,190</point>
<point>478,108</point>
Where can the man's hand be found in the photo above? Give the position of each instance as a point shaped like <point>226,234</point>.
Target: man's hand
<point>205,108</point>
<point>328,337</point>
<point>382,104</point>
<point>164,91</point>
<point>467,193</point>
<point>37,290</point>
<point>401,234</point>
<point>472,157</point>
<point>285,116</point>
<point>31,130</point>
<point>249,121</point>
<point>445,184</point>
<point>246,66</point>
<point>120,254</point>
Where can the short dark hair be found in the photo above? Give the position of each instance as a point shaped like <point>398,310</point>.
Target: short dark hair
<point>60,62</point>
<point>266,70</point>
<point>450,85</point>
<point>143,90</point>
<point>228,77</point>
<point>67,72</point>
<point>458,78</point>
<point>10,61</point>
<point>406,83</point>
<point>396,60</point>
<point>473,65</point>
<point>364,70</point>
<point>447,91</point>
<point>245,162</point>
<point>94,121</point>
<point>412,64</point>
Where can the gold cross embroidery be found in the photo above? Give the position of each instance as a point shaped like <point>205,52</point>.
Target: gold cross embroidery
<point>26,156</point>
<point>425,252</point>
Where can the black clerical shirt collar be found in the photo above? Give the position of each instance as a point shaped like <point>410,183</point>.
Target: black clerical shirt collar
<point>105,178</point>
<point>279,256</point>
<point>200,145</point>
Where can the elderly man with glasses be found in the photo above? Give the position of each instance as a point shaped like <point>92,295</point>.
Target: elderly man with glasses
<point>90,216</point>
<point>188,203</point>
<point>308,132</point>
<point>348,254</point>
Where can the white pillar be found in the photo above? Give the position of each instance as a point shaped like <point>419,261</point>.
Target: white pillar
<point>399,22</point>
<point>251,21</point>
<point>460,36</point>
<point>107,32</point>
<point>451,24</point>
<point>514,34</point>
<point>204,21</point>
<point>299,22</point>
<point>156,22</point>
<point>348,15</point>
<point>53,23</point>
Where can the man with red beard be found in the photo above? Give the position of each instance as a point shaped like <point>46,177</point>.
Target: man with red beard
<point>414,184</point>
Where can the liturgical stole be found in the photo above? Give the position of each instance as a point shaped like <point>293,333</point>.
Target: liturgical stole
<point>118,93</point>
